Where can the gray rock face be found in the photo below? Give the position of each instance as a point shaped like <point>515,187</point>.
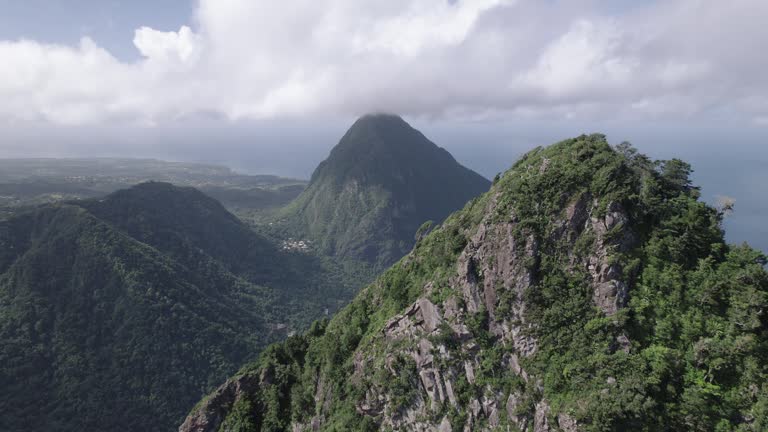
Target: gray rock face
<point>209,416</point>
<point>491,409</point>
<point>445,425</point>
<point>608,226</point>
<point>492,263</point>
<point>567,423</point>
<point>494,253</point>
<point>438,336</point>
<point>494,270</point>
<point>610,290</point>
<point>541,419</point>
<point>514,401</point>
<point>422,315</point>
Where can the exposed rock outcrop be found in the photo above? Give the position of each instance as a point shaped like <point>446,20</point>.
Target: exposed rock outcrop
<point>493,273</point>
<point>212,411</point>
<point>493,262</point>
<point>612,236</point>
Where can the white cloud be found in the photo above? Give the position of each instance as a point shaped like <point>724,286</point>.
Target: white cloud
<point>586,58</point>
<point>422,25</point>
<point>259,59</point>
<point>183,46</point>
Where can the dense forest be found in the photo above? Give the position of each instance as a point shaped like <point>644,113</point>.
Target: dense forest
<point>589,289</point>
<point>119,313</point>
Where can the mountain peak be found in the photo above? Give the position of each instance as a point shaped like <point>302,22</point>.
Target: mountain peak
<point>378,148</point>
<point>378,185</point>
<point>382,134</point>
<point>380,116</point>
<point>380,120</point>
<point>160,190</point>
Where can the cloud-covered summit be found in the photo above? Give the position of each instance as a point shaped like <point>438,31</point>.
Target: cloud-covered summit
<point>260,59</point>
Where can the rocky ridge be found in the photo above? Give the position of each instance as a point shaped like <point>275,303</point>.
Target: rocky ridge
<point>517,313</point>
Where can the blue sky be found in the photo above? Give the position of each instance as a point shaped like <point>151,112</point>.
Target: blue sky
<point>109,22</point>
<point>112,22</point>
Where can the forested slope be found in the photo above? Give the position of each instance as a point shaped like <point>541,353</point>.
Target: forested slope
<point>117,314</point>
<point>380,183</point>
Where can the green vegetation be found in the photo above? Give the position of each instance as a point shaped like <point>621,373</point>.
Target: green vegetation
<point>378,186</point>
<point>688,350</point>
<point>689,288</point>
<point>118,314</point>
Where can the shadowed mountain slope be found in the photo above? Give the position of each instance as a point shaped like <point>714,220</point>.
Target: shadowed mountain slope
<point>381,182</point>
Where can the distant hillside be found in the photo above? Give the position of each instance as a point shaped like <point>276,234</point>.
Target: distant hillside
<point>37,181</point>
<point>116,314</point>
<point>381,182</point>
<point>588,290</point>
